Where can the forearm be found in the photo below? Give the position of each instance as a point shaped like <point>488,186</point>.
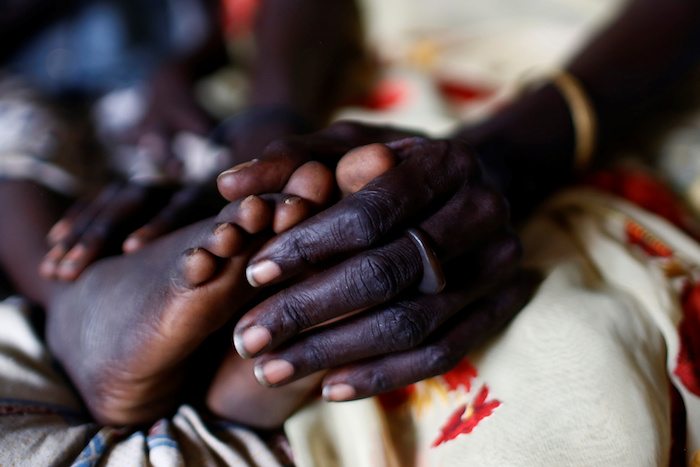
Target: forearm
<point>304,49</point>
<point>28,212</point>
<point>623,70</point>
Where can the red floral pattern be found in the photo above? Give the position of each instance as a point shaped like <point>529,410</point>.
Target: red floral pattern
<point>639,236</point>
<point>460,375</point>
<point>467,417</point>
<point>644,190</point>
<point>688,360</point>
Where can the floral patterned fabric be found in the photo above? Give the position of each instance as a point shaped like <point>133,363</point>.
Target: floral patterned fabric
<point>587,374</point>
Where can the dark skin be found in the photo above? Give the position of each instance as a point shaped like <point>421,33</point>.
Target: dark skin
<point>456,191</point>
<point>33,210</point>
<point>287,35</point>
<point>170,296</point>
<point>128,329</point>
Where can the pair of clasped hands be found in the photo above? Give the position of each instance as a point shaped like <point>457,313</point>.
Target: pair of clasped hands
<point>356,255</point>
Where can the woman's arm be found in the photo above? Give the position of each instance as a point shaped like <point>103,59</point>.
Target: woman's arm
<point>625,69</point>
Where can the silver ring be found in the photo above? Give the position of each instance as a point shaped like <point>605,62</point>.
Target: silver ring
<point>433,280</point>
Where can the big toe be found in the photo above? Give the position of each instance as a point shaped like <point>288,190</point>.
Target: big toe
<point>362,165</point>
<point>313,182</point>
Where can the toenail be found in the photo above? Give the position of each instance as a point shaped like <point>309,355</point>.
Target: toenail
<point>263,272</point>
<point>273,372</point>
<point>221,227</point>
<point>338,392</point>
<point>251,341</point>
<point>239,167</point>
<point>248,200</point>
<point>292,200</point>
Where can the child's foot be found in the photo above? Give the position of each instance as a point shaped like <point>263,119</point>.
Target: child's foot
<point>235,394</point>
<point>125,329</point>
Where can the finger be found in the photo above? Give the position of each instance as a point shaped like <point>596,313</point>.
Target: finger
<point>64,226</point>
<point>186,205</point>
<point>466,332</point>
<point>360,221</point>
<point>115,217</point>
<point>49,266</point>
<point>398,326</point>
<point>363,281</point>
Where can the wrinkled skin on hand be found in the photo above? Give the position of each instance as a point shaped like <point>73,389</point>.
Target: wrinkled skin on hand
<point>368,263</point>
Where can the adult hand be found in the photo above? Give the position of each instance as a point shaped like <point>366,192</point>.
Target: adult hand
<point>403,335</point>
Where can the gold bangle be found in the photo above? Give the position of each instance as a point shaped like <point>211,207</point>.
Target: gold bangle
<point>583,116</point>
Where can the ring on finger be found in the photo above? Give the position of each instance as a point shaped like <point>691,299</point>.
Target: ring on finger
<point>433,280</point>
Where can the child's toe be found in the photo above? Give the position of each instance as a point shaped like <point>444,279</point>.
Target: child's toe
<point>199,266</point>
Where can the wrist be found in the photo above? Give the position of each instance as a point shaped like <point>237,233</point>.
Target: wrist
<point>527,148</point>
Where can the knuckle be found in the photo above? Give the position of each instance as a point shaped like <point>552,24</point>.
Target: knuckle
<point>403,327</point>
<point>463,161</point>
<point>377,277</point>
<point>98,230</point>
<point>494,206</point>
<point>294,315</point>
<point>302,247</point>
<point>279,147</point>
<point>367,218</point>
<point>346,129</point>
<point>440,358</point>
<point>316,356</point>
<point>379,381</point>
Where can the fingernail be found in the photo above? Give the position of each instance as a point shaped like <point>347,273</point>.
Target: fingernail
<point>252,341</point>
<point>47,268</point>
<point>239,167</point>
<point>56,253</point>
<point>59,230</point>
<point>273,372</point>
<point>263,272</point>
<point>338,392</point>
<point>132,244</point>
<point>76,253</point>
<point>68,270</point>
